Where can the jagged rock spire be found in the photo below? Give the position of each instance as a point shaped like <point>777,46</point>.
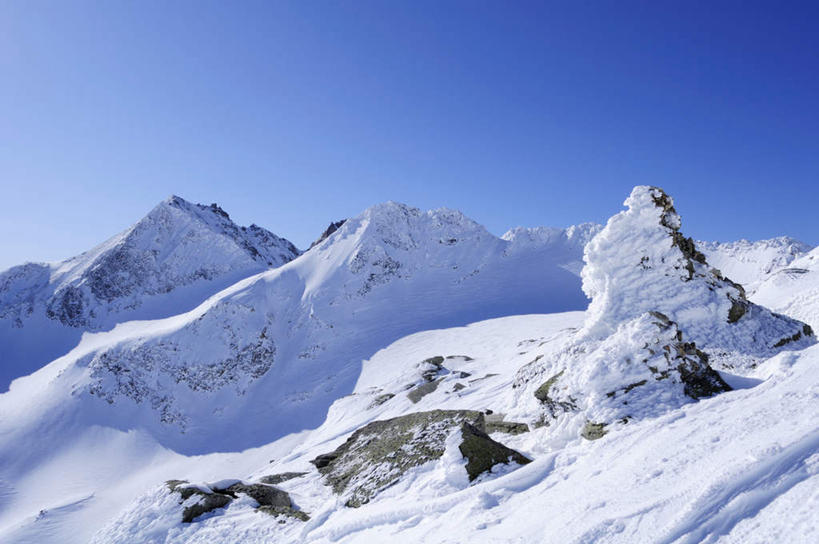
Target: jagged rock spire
<point>642,262</point>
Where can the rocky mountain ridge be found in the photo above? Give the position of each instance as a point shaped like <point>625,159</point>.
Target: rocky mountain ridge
<point>168,262</point>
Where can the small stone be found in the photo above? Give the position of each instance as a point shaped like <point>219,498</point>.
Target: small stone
<point>593,431</point>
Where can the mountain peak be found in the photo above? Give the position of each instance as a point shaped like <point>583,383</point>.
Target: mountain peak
<point>331,228</point>
<point>178,243</point>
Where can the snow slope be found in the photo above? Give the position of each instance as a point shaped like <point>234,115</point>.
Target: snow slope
<point>739,467</point>
<point>794,291</point>
<point>271,353</point>
<point>166,263</point>
<point>566,245</point>
<point>751,263</point>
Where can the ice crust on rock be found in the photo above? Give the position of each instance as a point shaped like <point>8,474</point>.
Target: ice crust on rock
<point>659,318</point>
<point>641,262</point>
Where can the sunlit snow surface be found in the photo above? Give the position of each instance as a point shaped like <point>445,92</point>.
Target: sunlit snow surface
<point>740,467</point>
<point>87,442</point>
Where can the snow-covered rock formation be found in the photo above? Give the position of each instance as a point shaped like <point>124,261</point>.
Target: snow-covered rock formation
<point>659,318</point>
<point>166,263</point>
<point>641,262</point>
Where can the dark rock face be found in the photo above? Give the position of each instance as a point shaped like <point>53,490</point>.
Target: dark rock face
<point>324,460</point>
<point>542,392</point>
<point>699,378</point>
<point>482,453</point>
<point>377,455</point>
<point>417,393</point>
<point>135,373</point>
<point>68,306</point>
<point>284,512</point>
<point>381,399</point>
<point>274,479</point>
<point>265,495</point>
<point>804,333</point>
<point>207,502</point>
<point>496,424</point>
<point>272,500</point>
<point>431,367</point>
<point>552,402</point>
<point>327,232</point>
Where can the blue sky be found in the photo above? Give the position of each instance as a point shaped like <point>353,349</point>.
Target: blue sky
<point>293,114</point>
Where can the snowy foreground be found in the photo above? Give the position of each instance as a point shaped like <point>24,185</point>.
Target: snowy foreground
<point>301,404</point>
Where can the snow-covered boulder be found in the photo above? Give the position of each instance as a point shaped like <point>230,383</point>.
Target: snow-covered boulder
<point>642,370</point>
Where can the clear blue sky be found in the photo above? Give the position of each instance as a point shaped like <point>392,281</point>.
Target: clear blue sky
<point>293,114</point>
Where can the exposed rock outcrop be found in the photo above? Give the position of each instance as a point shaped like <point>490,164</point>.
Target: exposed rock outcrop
<point>334,226</point>
<point>375,456</point>
<point>270,499</point>
<point>641,262</point>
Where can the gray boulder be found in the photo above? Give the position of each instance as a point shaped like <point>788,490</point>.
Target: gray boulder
<point>378,454</point>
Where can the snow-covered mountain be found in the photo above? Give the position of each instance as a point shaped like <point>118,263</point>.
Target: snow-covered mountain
<point>578,408</point>
<point>391,383</point>
<point>794,290</point>
<point>166,263</point>
<point>751,263</point>
<point>566,245</point>
<point>282,345</point>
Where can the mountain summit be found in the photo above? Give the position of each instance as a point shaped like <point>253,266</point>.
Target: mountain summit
<point>166,263</point>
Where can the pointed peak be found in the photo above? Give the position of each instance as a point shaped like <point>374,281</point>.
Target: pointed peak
<point>650,200</point>
<point>334,226</point>
<point>641,262</point>
<point>390,209</point>
<point>175,201</point>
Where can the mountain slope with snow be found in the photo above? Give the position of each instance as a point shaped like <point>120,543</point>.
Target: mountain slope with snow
<point>168,262</point>
<point>794,290</point>
<point>273,351</point>
<point>674,410</point>
<point>751,263</point>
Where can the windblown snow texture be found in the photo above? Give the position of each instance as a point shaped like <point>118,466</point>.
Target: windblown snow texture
<point>641,262</point>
